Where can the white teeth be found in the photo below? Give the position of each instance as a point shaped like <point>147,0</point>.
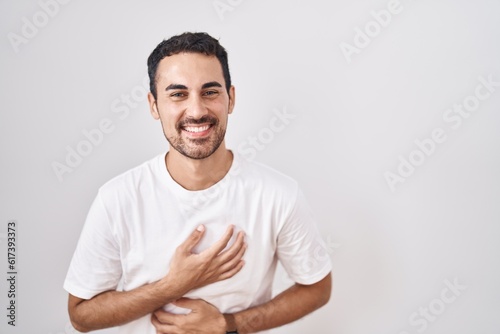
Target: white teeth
<point>196,128</point>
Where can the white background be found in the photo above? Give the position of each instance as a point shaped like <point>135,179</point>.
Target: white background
<point>392,251</point>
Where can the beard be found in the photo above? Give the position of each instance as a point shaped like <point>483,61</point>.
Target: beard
<point>197,148</point>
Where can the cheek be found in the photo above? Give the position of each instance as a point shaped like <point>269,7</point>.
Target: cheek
<point>219,107</point>
<point>170,114</point>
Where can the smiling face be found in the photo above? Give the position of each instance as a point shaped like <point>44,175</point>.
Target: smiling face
<point>192,103</point>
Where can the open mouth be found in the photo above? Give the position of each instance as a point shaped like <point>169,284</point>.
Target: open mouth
<point>196,129</point>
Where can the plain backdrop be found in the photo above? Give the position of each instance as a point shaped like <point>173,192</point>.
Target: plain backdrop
<point>357,117</point>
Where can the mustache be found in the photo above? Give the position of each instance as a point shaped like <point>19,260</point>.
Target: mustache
<point>193,121</point>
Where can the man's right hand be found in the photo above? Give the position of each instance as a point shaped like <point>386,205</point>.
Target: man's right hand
<point>189,271</point>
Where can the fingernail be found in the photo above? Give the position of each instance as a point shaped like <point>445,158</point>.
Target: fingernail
<point>200,228</point>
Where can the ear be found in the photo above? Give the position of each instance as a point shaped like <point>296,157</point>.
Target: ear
<point>232,96</point>
<point>153,108</point>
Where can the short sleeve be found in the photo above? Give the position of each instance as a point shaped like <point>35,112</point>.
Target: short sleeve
<point>300,248</point>
<point>95,266</point>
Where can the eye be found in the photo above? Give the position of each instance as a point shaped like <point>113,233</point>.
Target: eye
<point>211,93</point>
<point>178,95</point>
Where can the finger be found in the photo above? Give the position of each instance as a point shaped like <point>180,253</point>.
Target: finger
<point>230,273</point>
<point>157,324</point>
<point>218,246</point>
<point>163,328</point>
<point>193,239</point>
<point>187,303</point>
<point>228,265</point>
<point>234,250</point>
<point>165,317</point>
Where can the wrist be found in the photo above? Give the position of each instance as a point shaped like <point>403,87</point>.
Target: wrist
<point>170,289</point>
<point>230,323</point>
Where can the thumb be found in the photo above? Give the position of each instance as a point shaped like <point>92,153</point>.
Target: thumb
<point>186,303</point>
<point>193,239</point>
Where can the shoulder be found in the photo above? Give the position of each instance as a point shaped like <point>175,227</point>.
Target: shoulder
<point>258,175</point>
<point>130,182</point>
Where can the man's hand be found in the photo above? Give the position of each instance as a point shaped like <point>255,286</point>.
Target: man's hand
<point>290,305</point>
<point>203,319</point>
<point>189,271</point>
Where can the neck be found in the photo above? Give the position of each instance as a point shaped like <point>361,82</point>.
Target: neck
<point>193,174</point>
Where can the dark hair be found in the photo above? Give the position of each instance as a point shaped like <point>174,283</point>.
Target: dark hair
<point>198,42</point>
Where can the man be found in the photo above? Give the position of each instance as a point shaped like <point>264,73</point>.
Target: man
<point>237,219</point>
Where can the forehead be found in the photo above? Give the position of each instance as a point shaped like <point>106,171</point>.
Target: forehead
<point>190,69</point>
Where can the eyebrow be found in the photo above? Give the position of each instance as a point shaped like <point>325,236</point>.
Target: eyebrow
<point>175,86</point>
<point>204,86</point>
<point>211,84</point>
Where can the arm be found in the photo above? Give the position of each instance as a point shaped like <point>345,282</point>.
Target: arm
<point>290,305</point>
<point>114,308</point>
<point>187,271</point>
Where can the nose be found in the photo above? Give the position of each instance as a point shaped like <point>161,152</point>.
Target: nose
<point>196,108</point>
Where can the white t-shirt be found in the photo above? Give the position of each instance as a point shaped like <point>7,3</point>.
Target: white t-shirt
<point>140,217</point>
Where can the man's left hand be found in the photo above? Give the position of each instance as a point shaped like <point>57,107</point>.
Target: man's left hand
<point>203,319</point>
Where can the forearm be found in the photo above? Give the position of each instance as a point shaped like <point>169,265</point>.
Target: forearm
<point>115,308</point>
<point>290,305</point>
<point>187,271</point>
